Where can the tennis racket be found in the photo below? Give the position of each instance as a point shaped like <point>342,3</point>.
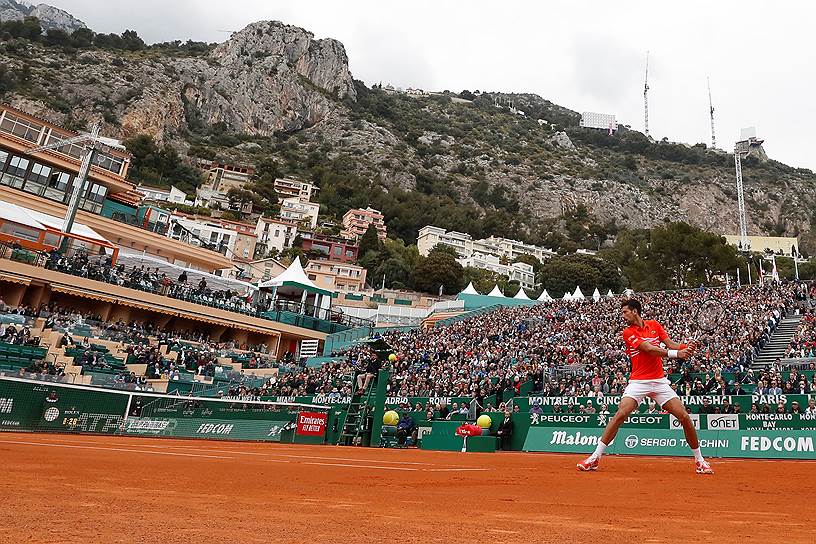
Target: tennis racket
<point>709,315</point>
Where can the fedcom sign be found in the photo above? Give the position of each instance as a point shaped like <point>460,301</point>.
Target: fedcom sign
<point>777,444</point>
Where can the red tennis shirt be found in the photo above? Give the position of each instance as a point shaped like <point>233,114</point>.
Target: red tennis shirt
<point>645,366</point>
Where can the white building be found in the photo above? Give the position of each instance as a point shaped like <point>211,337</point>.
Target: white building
<point>601,121</point>
<point>209,198</point>
<point>200,232</point>
<point>466,246</point>
<point>287,187</point>
<point>300,211</point>
<point>520,272</point>
<point>173,195</point>
<point>274,233</point>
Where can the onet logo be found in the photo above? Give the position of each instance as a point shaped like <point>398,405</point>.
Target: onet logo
<point>631,441</point>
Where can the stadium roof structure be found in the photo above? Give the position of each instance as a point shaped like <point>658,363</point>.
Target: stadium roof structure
<point>578,295</point>
<point>294,278</point>
<point>544,296</point>
<point>43,221</point>
<point>496,292</point>
<point>596,296</point>
<point>132,258</point>
<point>521,295</point>
<point>469,290</point>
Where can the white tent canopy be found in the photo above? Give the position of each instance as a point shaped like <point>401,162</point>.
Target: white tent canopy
<point>496,292</point>
<point>567,296</point>
<point>578,295</point>
<point>469,290</point>
<point>544,296</point>
<point>610,294</point>
<point>294,276</point>
<point>521,295</point>
<point>596,296</point>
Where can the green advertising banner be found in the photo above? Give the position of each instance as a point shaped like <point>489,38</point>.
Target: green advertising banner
<point>644,441</point>
<point>225,429</point>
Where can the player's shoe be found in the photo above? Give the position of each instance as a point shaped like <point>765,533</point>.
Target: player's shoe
<point>587,465</point>
<point>704,468</point>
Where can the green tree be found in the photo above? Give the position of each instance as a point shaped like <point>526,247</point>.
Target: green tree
<point>82,38</point>
<point>483,280</point>
<point>131,41</point>
<point>561,274</point>
<point>439,268</point>
<point>369,241</point>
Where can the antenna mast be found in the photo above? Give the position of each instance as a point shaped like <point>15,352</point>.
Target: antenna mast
<point>646,98</point>
<point>711,111</point>
<point>743,224</point>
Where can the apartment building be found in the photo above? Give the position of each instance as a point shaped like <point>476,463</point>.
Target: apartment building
<point>274,234</point>
<point>337,276</point>
<point>287,188</point>
<point>300,211</point>
<point>329,247</point>
<point>356,221</point>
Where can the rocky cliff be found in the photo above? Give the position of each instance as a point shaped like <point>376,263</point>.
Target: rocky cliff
<point>49,16</point>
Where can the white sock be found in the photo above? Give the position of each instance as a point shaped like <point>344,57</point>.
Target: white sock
<point>598,451</point>
<point>698,456</point>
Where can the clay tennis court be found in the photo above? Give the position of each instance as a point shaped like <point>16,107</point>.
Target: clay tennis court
<point>63,488</point>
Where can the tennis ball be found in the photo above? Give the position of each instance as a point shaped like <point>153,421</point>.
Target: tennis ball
<point>484,421</point>
<point>392,357</point>
<point>390,418</point>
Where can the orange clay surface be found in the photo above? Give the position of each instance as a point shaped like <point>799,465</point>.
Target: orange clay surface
<point>61,488</point>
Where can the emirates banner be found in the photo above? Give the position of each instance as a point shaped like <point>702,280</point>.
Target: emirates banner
<point>312,423</point>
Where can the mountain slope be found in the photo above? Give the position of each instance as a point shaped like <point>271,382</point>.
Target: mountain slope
<point>49,16</point>
<point>273,95</point>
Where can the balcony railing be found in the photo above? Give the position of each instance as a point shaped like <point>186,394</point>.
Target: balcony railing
<point>292,313</point>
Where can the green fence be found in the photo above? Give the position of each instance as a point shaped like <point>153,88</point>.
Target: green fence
<point>27,405</point>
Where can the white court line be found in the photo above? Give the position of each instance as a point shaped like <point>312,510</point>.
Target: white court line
<point>410,469</point>
<point>189,448</point>
<point>351,459</point>
<point>57,445</point>
<point>454,469</point>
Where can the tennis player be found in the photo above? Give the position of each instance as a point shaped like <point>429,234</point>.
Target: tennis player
<point>647,379</point>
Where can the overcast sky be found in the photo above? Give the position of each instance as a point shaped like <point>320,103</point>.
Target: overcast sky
<point>587,56</point>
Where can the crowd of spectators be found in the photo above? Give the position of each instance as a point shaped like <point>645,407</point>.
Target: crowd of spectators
<point>574,348</point>
<point>145,278</point>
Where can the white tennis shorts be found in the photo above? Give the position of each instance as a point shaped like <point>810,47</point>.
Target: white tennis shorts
<point>659,391</point>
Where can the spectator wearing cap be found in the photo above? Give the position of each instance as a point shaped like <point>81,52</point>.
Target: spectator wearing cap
<point>795,408</point>
<point>590,408</point>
